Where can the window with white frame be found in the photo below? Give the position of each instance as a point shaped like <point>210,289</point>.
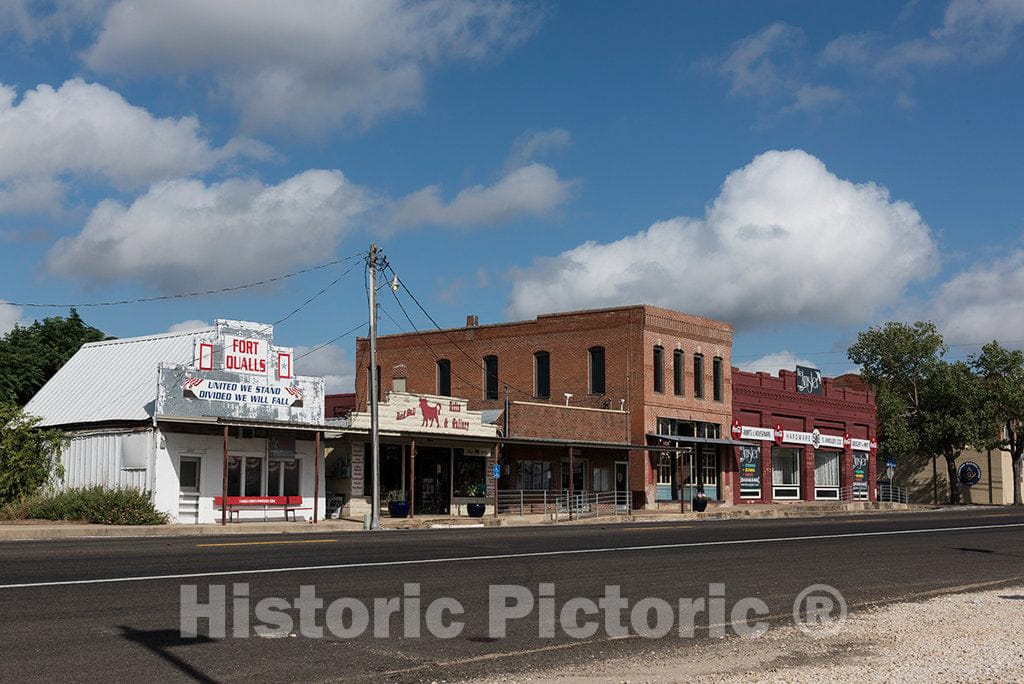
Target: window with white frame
<point>283,477</point>
<point>665,467</point>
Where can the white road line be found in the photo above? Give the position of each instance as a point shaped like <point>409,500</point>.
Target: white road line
<point>503,556</point>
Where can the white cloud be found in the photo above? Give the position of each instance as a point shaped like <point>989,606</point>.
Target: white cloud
<point>184,234</point>
<point>90,133</point>
<point>311,64</point>
<point>33,21</point>
<point>529,146</point>
<point>982,303</point>
<point>972,31</point>
<point>331,363</point>
<point>10,316</point>
<point>785,240</point>
<point>532,190</point>
<point>771,363</point>
<point>770,65</point>
<point>184,326</point>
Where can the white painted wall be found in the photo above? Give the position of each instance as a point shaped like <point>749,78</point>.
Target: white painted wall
<point>102,458</point>
<point>210,449</point>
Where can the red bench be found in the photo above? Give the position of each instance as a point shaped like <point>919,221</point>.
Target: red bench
<point>290,504</point>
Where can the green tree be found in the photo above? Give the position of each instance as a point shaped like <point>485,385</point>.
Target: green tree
<point>952,416</point>
<point>29,456</point>
<point>896,360</point>
<point>1002,376</point>
<point>926,407</point>
<point>31,355</point>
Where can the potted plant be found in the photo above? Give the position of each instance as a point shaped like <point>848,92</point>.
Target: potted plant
<point>700,501</point>
<point>476,510</point>
<point>398,507</point>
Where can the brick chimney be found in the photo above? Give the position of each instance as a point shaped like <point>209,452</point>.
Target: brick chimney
<point>472,321</point>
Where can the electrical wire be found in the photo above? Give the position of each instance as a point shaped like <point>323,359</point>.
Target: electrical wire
<point>186,295</point>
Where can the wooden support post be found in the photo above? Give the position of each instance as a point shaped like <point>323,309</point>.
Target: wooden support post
<point>316,478</point>
<point>224,482</point>
<point>412,478</point>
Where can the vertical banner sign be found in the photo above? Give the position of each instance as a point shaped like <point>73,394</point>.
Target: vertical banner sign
<point>860,475</point>
<point>750,472</point>
<point>358,455</point>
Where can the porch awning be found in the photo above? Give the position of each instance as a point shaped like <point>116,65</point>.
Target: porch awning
<point>680,439</point>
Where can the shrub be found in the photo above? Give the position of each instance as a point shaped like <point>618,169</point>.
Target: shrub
<point>29,456</point>
<point>96,504</point>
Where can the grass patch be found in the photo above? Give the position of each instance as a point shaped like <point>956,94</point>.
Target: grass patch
<point>97,504</point>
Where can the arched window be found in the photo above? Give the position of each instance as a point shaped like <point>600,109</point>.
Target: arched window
<point>491,377</point>
<point>444,377</point>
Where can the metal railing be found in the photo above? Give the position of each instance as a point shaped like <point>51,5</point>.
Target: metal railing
<point>891,493</point>
<point>557,504</point>
<point>854,492</point>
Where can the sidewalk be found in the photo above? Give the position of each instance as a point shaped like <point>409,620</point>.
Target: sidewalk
<point>42,529</point>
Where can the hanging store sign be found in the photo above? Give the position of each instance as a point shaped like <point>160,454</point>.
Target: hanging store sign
<point>241,392</point>
<point>781,436</point>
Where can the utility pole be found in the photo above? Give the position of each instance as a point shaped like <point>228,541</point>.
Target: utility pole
<point>374,428</point>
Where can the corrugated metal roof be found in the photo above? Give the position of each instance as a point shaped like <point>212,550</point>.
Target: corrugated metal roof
<point>115,380</point>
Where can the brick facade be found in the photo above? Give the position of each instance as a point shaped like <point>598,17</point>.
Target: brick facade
<point>628,336</point>
<point>763,400</point>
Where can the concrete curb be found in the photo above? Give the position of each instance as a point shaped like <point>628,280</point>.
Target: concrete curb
<point>54,531</point>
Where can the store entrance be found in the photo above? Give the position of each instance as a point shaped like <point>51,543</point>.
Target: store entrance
<point>433,480</point>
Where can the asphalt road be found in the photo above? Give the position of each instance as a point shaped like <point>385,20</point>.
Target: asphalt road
<point>91,608</point>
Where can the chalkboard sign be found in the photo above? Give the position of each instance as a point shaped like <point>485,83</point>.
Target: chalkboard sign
<point>808,380</point>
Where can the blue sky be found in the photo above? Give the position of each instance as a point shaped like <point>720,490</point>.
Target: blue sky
<point>800,169</point>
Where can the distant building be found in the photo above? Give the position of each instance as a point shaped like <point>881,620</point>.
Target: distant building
<point>188,415</point>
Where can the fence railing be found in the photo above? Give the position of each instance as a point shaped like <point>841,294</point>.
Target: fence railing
<point>854,492</point>
<point>557,504</point>
<point>892,493</point>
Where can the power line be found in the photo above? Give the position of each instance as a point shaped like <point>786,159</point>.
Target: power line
<point>445,333</point>
<point>331,341</point>
<point>186,295</point>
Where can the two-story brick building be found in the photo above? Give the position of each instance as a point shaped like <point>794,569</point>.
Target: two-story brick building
<point>608,383</point>
<point>814,436</point>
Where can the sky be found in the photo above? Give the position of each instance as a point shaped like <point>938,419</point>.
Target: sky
<point>802,170</point>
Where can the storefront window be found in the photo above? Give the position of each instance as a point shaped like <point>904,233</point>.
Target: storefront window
<point>665,468</point>
<point>826,475</point>
<point>534,475</point>
<point>283,478</point>
<point>470,474</point>
<point>245,476</point>
<point>785,473</point>
<point>785,466</point>
<point>602,479</point>
<point>579,470</point>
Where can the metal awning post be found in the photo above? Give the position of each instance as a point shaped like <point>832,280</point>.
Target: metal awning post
<point>570,483</point>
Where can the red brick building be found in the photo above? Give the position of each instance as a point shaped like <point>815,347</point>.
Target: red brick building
<point>815,437</point>
<point>597,381</point>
